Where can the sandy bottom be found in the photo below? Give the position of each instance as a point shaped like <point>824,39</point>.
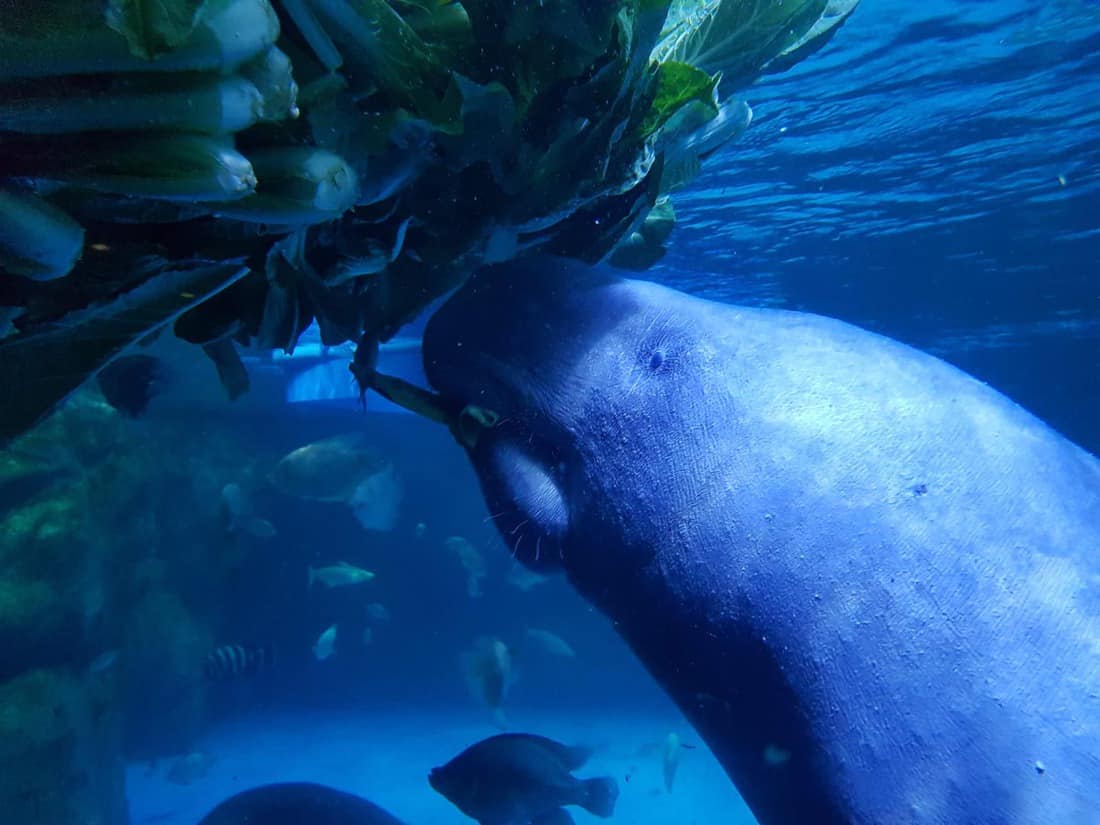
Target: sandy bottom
<point>387,759</point>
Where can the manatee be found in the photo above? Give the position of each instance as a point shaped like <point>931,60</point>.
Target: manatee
<point>297,803</point>
<point>870,581</point>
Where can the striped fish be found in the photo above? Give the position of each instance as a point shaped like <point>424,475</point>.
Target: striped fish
<point>235,661</point>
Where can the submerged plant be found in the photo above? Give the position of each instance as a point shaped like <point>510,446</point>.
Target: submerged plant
<point>244,168</point>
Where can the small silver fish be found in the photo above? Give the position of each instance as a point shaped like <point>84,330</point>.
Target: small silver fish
<point>472,562</point>
<point>237,515</point>
<point>550,642</point>
<point>339,575</point>
<point>104,661</point>
<point>671,759</point>
<point>522,578</point>
<point>488,669</point>
<point>325,645</point>
<point>378,611</point>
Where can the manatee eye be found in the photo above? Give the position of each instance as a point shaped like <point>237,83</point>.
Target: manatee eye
<point>662,350</point>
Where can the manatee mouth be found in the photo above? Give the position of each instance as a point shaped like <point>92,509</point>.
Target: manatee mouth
<point>526,494</point>
<point>523,487</point>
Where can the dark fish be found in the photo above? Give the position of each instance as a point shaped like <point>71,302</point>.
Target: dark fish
<point>235,661</point>
<point>129,383</point>
<point>297,803</point>
<point>520,778</point>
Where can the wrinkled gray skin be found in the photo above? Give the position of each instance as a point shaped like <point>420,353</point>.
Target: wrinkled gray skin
<point>822,543</point>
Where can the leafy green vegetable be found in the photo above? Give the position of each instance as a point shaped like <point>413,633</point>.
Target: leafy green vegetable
<point>37,240</point>
<point>677,85</point>
<point>177,168</point>
<point>72,37</point>
<point>215,105</point>
<point>51,361</point>
<point>296,185</point>
<point>363,156</point>
<point>153,27</point>
<point>736,37</point>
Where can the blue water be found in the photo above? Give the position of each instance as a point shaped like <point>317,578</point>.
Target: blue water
<point>932,174</point>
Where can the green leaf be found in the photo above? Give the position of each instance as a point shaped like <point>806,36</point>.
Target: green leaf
<point>76,37</point>
<point>154,27</point>
<point>821,33</point>
<point>179,167</point>
<point>740,38</point>
<point>677,85</point>
<point>379,45</point>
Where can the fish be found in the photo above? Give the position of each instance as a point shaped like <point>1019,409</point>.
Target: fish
<point>343,469</point>
<point>775,755</point>
<point>237,515</point>
<point>130,382</point>
<point>104,661</point>
<point>325,645</point>
<point>472,562</point>
<point>378,611</point>
<point>235,661</point>
<point>671,759</point>
<point>521,778</point>
<point>190,768</point>
<point>489,672</point>
<point>550,642</point>
<point>523,578</point>
<point>341,574</point>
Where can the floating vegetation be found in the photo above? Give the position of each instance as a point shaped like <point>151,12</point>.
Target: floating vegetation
<point>355,159</point>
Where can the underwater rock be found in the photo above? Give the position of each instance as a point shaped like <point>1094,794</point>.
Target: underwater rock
<point>166,646</point>
<point>60,745</point>
<point>56,580</point>
<point>30,624</point>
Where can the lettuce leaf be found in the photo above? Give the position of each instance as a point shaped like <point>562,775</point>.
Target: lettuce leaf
<point>677,85</point>
<point>154,27</point>
<point>740,38</point>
